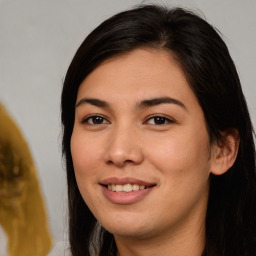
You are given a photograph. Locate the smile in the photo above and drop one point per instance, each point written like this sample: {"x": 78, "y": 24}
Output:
{"x": 126, "y": 187}
{"x": 126, "y": 190}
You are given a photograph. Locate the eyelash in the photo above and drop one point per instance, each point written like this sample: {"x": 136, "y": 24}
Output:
{"x": 160, "y": 118}
{"x": 95, "y": 117}
{"x": 156, "y": 118}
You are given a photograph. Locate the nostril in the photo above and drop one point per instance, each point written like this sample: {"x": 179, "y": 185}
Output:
{"x": 120, "y": 163}
{"x": 122, "y": 154}
{"x": 128, "y": 161}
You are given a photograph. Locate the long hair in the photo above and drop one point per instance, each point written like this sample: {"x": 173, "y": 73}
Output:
{"x": 205, "y": 60}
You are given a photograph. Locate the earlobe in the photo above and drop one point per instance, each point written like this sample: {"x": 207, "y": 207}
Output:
{"x": 225, "y": 152}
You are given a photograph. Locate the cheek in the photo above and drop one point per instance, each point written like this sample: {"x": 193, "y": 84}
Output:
{"x": 86, "y": 154}
{"x": 184, "y": 166}
{"x": 183, "y": 158}
{"x": 181, "y": 148}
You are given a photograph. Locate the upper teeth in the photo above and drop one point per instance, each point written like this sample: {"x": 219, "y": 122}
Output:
{"x": 125, "y": 188}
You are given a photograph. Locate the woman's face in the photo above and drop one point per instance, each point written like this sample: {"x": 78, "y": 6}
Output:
{"x": 140, "y": 147}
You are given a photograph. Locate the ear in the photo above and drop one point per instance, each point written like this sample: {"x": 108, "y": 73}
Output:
{"x": 224, "y": 152}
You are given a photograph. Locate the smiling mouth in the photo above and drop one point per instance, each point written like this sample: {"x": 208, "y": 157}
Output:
{"x": 127, "y": 187}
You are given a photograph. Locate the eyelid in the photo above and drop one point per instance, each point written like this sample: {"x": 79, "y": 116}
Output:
{"x": 86, "y": 118}
{"x": 106, "y": 121}
{"x": 167, "y": 118}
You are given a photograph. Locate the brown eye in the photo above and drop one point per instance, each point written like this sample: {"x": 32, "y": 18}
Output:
{"x": 94, "y": 120}
{"x": 159, "y": 120}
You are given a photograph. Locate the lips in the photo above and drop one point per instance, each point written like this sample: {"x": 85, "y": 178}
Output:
{"x": 125, "y": 190}
{"x": 123, "y": 181}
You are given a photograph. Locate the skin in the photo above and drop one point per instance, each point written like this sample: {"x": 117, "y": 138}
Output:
{"x": 127, "y": 141}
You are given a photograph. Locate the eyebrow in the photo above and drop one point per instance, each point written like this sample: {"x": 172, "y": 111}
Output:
{"x": 94, "y": 102}
{"x": 143, "y": 104}
{"x": 161, "y": 100}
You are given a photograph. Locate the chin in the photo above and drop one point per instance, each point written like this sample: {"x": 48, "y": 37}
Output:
{"x": 132, "y": 232}
{"x": 128, "y": 227}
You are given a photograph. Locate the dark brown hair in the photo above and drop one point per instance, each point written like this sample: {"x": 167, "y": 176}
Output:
{"x": 211, "y": 73}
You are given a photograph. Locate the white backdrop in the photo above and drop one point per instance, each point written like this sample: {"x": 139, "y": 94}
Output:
{"x": 37, "y": 42}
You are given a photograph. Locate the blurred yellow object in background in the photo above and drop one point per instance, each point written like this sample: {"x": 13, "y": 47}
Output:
{"x": 22, "y": 210}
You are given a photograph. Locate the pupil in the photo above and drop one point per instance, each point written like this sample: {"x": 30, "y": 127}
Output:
{"x": 97, "y": 120}
{"x": 159, "y": 120}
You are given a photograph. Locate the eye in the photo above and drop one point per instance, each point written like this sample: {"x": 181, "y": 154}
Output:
{"x": 159, "y": 120}
{"x": 94, "y": 120}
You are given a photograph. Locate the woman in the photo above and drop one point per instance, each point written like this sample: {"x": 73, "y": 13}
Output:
{"x": 158, "y": 140}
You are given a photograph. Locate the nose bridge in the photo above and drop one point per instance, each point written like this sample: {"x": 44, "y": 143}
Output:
{"x": 123, "y": 146}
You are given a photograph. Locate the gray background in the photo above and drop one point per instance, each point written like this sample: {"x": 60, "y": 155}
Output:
{"x": 37, "y": 42}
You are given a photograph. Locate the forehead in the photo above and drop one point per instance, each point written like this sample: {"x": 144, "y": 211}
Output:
{"x": 139, "y": 74}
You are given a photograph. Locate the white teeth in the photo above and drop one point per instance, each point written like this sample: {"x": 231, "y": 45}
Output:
{"x": 113, "y": 188}
{"x": 119, "y": 188}
{"x": 125, "y": 188}
{"x": 135, "y": 187}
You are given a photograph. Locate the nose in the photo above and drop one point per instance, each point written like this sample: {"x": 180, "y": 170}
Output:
{"x": 123, "y": 148}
